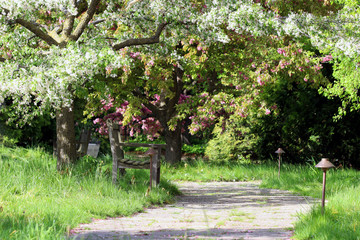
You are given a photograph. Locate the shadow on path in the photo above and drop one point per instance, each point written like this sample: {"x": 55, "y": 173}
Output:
{"x": 215, "y": 210}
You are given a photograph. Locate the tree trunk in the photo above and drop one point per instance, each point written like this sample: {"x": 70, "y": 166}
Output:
{"x": 65, "y": 134}
{"x": 173, "y": 145}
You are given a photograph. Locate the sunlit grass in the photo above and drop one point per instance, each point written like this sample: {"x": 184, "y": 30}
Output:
{"x": 340, "y": 221}
{"x": 36, "y": 202}
{"x": 199, "y": 170}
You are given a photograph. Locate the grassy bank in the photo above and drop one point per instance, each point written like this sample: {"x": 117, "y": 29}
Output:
{"x": 342, "y": 218}
{"x": 36, "y": 202}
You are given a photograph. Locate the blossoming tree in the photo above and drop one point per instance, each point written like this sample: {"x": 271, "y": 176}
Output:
{"x": 53, "y": 51}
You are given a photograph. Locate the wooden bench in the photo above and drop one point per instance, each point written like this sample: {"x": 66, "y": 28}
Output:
{"x": 119, "y": 161}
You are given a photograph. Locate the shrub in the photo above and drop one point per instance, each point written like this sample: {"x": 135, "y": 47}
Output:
{"x": 230, "y": 145}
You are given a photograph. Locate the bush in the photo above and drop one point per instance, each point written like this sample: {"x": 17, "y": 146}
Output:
{"x": 198, "y": 149}
{"x": 229, "y": 145}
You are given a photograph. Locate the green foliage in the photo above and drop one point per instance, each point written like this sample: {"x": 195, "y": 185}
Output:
{"x": 197, "y": 149}
{"x": 346, "y": 84}
{"x": 320, "y": 7}
{"x": 37, "y": 130}
{"x": 37, "y": 202}
{"x": 229, "y": 145}
{"x": 303, "y": 125}
{"x": 8, "y": 142}
{"x": 7, "y": 138}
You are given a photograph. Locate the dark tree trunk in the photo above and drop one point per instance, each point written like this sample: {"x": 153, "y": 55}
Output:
{"x": 164, "y": 111}
{"x": 65, "y": 134}
{"x": 173, "y": 145}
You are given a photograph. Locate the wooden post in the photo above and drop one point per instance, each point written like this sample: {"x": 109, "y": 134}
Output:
{"x": 153, "y": 169}
{"x": 116, "y": 151}
{"x": 157, "y": 168}
{"x": 121, "y": 154}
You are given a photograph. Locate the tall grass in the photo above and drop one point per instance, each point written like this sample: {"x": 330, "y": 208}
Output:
{"x": 36, "y": 202}
{"x": 340, "y": 221}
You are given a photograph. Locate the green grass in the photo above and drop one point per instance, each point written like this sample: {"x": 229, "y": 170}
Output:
{"x": 36, "y": 202}
{"x": 198, "y": 170}
{"x": 340, "y": 221}
{"x": 342, "y": 216}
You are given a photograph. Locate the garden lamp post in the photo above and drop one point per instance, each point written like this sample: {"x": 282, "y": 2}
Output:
{"x": 279, "y": 152}
{"x": 151, "y": 152}
{"x": 324, "y": 164}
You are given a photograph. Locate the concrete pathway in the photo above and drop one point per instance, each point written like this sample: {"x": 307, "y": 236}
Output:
{"x": 215, "y": 210}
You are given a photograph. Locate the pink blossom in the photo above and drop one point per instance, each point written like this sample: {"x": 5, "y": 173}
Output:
{"x": 267, "y": 111}
{"x": 134, "y": 55}
{"x": 318, "y": 67}
{"x": 108, "y": 106}
{"x": 260, "y": 82}
{"x": 191, "y": 41}
{"x": 281, "y": 51}
{"x": 97, "y": 120}
{"x": 108, "y": 69}
{"x": 305, "y": 79}
{"x": 327, "y": 58}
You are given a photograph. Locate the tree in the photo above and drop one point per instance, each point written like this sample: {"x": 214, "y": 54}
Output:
{"x": 55, "y": 50}
{"x": 59, "y": 48}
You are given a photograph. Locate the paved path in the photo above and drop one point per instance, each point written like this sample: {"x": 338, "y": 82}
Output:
{"x": 215, "y": 210}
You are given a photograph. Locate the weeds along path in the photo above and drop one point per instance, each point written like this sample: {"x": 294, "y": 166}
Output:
{"x": 215, "y": 210}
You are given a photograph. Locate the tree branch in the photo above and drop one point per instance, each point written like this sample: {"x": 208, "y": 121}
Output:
{"x": 178, "y": 87}
{"x": 147, "y": 104}
{"x": 90, "y": 12}
{"x": 5, "y": 10}
{"x": 142, "y": 41}
{"x": 68, "y": 27}
{"x": 97, "y": 22}
{"x": 37, "y": 31}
